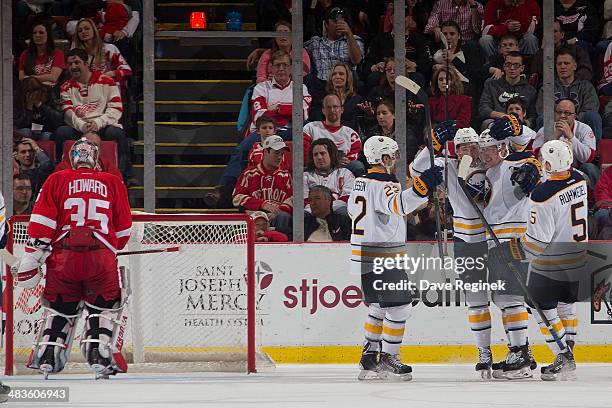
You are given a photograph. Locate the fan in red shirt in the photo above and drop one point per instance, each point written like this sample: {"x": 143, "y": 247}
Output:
{"x": 80, "y": 219}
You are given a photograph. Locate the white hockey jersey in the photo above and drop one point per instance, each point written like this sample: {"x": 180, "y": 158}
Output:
{"x": 466, "y": 224}
{"x": 3, "y": 229}
{"x": 377, "y": 207}
{"x": 558, "y": 211}
{"x": 340, "y": 181}
{"x": 507, "y": 211}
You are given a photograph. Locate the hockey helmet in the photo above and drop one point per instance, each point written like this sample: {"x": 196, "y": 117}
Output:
{"x": 557, "y": 154}
{"x": 377, "y": 146}
{"x": 486, "y": 140}
{"x": 465, "y": 135}
{"x": 83, "y": 153}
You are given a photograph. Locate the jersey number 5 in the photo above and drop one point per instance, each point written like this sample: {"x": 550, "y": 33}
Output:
{"x": 359, "y": 200}
{"x": 578, "y": 222}
{"x": 88, "y": 210}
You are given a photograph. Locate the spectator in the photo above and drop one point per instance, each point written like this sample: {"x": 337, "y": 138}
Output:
{"x": 339, "y": 44}
{"x": 264, "y": 66}
{"x": 115, "y": 18}
{"x": 37, "y": 116}
{"x": 340, "y": 83}
{"x": 41, "y": 60}
{"x": 495, "y": 66}
{"x": 315, "y": 15}
{"x": 91, "y": 102}
{"x": 416, "y": 17}
{"x": 385, "y": 120}
{"x": 518, "y": 17}
{"x": 466, "y": 13}
{"x": 22, "y": 195}
{"x": 584, "y": 70}
{"x": 101, "y": 57}
{"x": 497, "y": 92}
{"x": 269, "y": 13}
{"x": 582, "y": 92}
{"x": 605, "y": 84}
{"x": 322, "y": 224}
{"x": 346, "y": 139}
{"x": 102, "y": 165}
{"x": 32, "y": 161}
{"x": 459, "y": 105}
{"x": 274, "y": 97}
{"x": 603, "y": 200}
{"x": 267, "y": 187}
{"x": 263, "y": 233}
{"x": 382, "y": 47}
{"x": 323, "y": 168}
{"x": 222, "y": 195}
{"x": 581, "y": 22}
{"x": 466, "y": 59}
{"x": 518, "y": 106}
{"x": 578, "y": 135}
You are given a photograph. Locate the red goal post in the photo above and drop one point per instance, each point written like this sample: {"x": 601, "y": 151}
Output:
{"x": 215, "y": 273}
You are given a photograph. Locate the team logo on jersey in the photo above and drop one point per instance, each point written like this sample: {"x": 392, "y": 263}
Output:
{"x": 601, "y": 290}
{"x": 602, "y": 296}
{"x": 479, "y": 186}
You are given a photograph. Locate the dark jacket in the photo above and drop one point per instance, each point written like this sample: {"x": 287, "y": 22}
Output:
{"x": 583, "y": 61}
{"x": 583, "y": 92}
{"x": 580, "y": 20}
{"x": 339, "y": 226}
{"x": 497, "y": 92}
{"x": 417, "y": 51}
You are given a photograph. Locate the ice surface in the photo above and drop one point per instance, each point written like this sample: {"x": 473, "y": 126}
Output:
{"x": 299, "y": 386}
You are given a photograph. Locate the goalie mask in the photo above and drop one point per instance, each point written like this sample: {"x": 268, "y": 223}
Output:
{"x": 378, "y": 146}
{"x": 558, "y": 155}
{"x": 84, "y": 154}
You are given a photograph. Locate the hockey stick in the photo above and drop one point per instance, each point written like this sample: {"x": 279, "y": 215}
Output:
{"x": 464, "y": 166}
{"x": 417, "y": 91}
{"x": 149, "y": 251}
{"x": 446, "y": 92}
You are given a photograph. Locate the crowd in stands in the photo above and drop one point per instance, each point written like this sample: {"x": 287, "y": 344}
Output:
{"x": 478, "y": 59}
{"x": 71, "y": 80}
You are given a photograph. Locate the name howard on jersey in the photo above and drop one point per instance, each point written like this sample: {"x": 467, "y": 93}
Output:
{"x": 87, "y": 186}
{"x": 569, "y": 196}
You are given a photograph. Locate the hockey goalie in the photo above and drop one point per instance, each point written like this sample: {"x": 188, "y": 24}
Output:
{"x": 80, "y": 219}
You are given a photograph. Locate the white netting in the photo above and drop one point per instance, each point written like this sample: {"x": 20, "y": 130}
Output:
{"x": 188, "y": 309}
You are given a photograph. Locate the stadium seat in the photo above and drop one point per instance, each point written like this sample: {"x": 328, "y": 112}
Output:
{"x": 603, "y": 101}
{"x": 108, "y": 150}
{"x": 49, "y": 147}
{"x": 605, "y": 153}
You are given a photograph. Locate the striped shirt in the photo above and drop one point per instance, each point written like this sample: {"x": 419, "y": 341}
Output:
{"x": 447, "y": 10}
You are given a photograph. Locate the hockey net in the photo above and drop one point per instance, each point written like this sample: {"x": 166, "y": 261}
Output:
{"x": 191, "y": 310}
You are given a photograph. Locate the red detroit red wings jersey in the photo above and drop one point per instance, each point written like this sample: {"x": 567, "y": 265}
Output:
{"x": 83, "y": 197}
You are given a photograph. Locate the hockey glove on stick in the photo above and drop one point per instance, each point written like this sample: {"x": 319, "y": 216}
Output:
{"x": 443, "y": 132}
{"x": 424, "y": 184}
{"x": 29, "y": 272}
{"x": 508, "y": 251}
{"x": 527, "y": 177}
{"x": 505, "y": 127}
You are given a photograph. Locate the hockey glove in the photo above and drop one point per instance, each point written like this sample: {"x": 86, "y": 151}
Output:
{"x": 527, "y": 177}
{"x": 29, "y": 272}
{"x": 505, "y": 127}
{"x": 443, "y": 132}
{"x": 424, "y": 184}
{"x": 507, "y": 252}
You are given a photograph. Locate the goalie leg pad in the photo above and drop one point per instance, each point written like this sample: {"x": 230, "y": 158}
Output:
{"x": 51, "y": 349}
{"x": 102, "y": 339}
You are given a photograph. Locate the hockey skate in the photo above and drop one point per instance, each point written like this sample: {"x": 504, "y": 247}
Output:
{"x": 485, "y": 360}
{"x": 47, "y": 362}
{"x": 368, "y": 366}
{"x": 498, "y": 368}
{"x": 98, "y": 364}
{"x": 562, "y": 369}
{"x": 518, "y": 363}
{"x": 392, "y": 369}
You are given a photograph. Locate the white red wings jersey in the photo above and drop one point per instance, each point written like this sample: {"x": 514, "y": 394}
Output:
{"x": 82, "y": 197}
{"x": 256, "y": 185}
{"x": 3, "y": 229}
{"x": 583, "y": 143}
{"x": 377, "y": 207}
{"x": 558, "y": 211}
{"x": 113, "y": 61}
{"x": 345, "y": 138}
{"x": 99, "y": 100}
{"x": 269, "y": 93}
{"x": 467, "y": 225}
{"x": 340, "y": 181}
{"x": 508, "y": 208}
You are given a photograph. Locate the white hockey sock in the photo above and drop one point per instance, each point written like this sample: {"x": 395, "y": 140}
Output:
{"x": 567, "y": 314}
{"x": 553, "y": 318}
{"x": 479, "y": 318}
{"x": 393, "y": 328}
{"x": 515, "y": 321}
{"x": 373, "y": 327}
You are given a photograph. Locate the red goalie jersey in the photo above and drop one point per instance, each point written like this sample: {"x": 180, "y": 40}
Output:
{"x": 83, "y": 197}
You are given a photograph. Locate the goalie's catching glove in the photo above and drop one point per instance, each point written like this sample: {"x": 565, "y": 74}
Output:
{"x": 29, "y": 272}
{"x": 427, "y": 181}
{"x": 505, "y": 127}
{"x": 443, "y": 132}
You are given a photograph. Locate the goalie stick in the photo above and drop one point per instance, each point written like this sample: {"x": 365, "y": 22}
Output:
{"x": 464, "y": 166}
{"x": 421, "y": 95}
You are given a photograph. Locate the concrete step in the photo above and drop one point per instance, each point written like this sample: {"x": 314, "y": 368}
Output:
{"x": 194, "y": 132}
{"x": 201, "y": 90}
{"x": 197, "y": 106}
{"x": 200, "y": 64}
{"x": 184, "y": 175}
{"x": 171, "y": 192}
{"x": 188, "y": 149}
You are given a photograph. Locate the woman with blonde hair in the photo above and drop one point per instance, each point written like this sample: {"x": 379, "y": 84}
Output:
{"x": 103, "y": 57}
{"x": 459, "y": 105}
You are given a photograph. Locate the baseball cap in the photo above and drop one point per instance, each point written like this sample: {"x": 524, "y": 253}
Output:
{"x": 255, "y": 215}
{"x": 335, "y": 12}
{"x": 274, "y": 142}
